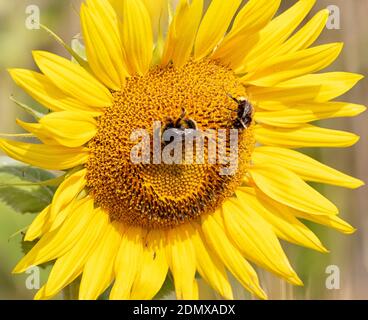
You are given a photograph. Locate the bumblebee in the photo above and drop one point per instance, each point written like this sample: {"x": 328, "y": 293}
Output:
{"x": 180, "y": 128}
{"x": 244, "y": 113}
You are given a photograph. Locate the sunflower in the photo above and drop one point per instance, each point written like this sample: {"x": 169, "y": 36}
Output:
{"x": 114, "y": 223}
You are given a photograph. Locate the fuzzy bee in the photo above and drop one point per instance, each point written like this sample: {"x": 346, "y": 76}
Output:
{"x": 244, "y": 113}
{"x": 180, "y": 129}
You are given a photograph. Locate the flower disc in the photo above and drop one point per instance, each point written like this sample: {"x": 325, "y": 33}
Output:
{"x": 163, "y": 195}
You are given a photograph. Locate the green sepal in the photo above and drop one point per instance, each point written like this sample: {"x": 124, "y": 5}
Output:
{"x": 31, "y": 111}
{"x": 74, "y": 54}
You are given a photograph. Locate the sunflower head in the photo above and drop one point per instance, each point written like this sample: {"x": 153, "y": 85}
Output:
{"x": 230, "y": 67}
{"x": 164, "y": 195}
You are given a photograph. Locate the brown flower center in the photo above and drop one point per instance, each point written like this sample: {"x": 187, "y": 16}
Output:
{"x": 165, "y": 195}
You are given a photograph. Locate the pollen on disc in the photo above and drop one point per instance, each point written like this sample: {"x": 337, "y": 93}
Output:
{"x": 162, "y": 195}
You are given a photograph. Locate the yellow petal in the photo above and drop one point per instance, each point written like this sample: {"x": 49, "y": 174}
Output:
{"x": 283, "y": 222}
{"x": 302, "y": 113}
{"x": 210, "y": 267}
{"x": 327, "y": 220}
{"x": 127, "y": 264}
{"x": 118, "y": 6}
{"x": 62, "y": 215}
{"x": 103, "y": 44}
{"x": 253, "y": 17}
{"x": 293, "y": 65}
{"x": 214, "y": 25}
{"x": 304, "y": 136}
{"x": 182, "y": 32}
{"x": 320, "y": 87}
{"x": 68, "y": 267}
{"x": 40, "y": 88}
{"x": 73, "y": 79}
{"x": 182, "y": 261}
{"x": 340, "y": 81}
{"x": 159, "y": 13}
{"x": 219, "y": 242}
{"x": 306, "y": 35}
{"x": 137, "y": 36}
{"x": 62, "y": 206}
{"x": 39, "y": 225}
{"x": 45, "y": 156}
{"x": 270, "y": 38}
{"x": 153, "y": 269}
{"x": 286, "y": 187}
{"x": 243, "y": 225}
{"x": 68, "y": 190}
{"x": 38, "y": 131}
{"x": 263, "y": 106}
{"x": 98, "y": 272}
{"x": 58, "y": 242}
{"x": 70, "y": 129}
{"x": 41, "y": 295}
{"x": 305, "y": 167}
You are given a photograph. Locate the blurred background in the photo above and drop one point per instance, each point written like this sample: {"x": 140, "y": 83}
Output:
{"x": 348, "y": 253}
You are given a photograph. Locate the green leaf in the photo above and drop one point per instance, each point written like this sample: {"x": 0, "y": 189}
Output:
{"x": 27, "y": 173}
{"x": 28, "y": 198}
{"x": 25, "y": 201}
